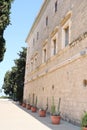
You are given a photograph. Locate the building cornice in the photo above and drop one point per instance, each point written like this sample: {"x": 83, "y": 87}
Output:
{"x": 37, "y": 19}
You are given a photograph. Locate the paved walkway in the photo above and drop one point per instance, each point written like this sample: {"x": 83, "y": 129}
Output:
{"x": 15, "y": 117}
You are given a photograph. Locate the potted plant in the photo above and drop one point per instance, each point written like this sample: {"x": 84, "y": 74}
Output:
{"x": 84, "y": 121}
{"x": 34, "y": 106}
{"x": 55, "y": 115}
{"x": 28, "y": 106}
{"x": 42, "y": 112}
{"x": 24, "y": 103}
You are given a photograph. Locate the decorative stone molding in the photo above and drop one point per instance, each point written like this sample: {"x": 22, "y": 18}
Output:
{"x": 45, "y": 42}
{"x": 36, "y": 53}
{"x": 42, "y": 74}
{"x": 79, "y": 39}
{"x": 68, "y": 16}
{"x": 54, "y": 31}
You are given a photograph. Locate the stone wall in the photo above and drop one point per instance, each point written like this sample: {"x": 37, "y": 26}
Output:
{"x": 61, "y": 75}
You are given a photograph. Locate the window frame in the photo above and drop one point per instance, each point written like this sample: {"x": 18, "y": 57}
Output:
{"x": 44, "y": 54}
{"x": 31, "y": 65}
{"x": 37, "y": 35}
{"x": 33, "y": 41}
{"x": 44, "y": 59}
{"x": 64, "y": 27}
{"x": 66, "y": 31}
{"x": 56, "y": 6}
{"x": 35, "y": 61}
{"x": 46, "y": 20}
{"x": 66, "y": 23}
{"x": 53, "y": 38}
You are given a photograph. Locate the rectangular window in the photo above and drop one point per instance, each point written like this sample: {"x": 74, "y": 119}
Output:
{"x": 54, "y": 43}
{"x": 46, "y": 20}
{"x": 44, "y": 51}
{"x": 37, "y": 35}
{"x": 55, "y": 6}
{"x": 66, "y": 36}
{"x": 66, "y": 30}
{"x": 54, "y": 47}
{"x": 35, "y": 60}
{"x": 32, "y": 66}
{"x": 44, "y": 55}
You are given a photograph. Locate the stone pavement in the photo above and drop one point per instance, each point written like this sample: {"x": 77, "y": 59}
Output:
{"x": 15, "y": 117}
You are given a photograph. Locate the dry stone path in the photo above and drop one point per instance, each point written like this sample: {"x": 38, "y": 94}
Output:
{"x": 14, "y": 117}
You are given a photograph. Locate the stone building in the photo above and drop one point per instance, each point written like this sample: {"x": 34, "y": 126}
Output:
{"x": 56, "y": 62}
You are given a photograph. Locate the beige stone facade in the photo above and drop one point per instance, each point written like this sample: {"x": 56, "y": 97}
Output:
{"x": 56, "y": 62}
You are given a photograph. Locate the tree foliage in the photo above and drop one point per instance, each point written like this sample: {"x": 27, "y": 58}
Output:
{"x": 2, "y": 48}
{"x": 5, "y": 6}
{"x": 14, "y": 80}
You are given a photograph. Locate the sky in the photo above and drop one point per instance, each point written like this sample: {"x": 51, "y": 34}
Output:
{"x": 23, "y": 14}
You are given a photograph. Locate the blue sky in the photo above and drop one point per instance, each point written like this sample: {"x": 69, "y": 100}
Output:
{"x": 23, "y": 14}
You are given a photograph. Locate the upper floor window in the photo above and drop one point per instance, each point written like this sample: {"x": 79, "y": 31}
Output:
{"x": 44, "y": 52}
{"x": 46, "y": 20}
{"x": 54, "y": 47}
{"x": 35, "y": 61}
{"x": 55, "y": 6}
{"x": 37, "y": 35}
{"x": 31, "y": 65}
{"x": 66, "y": 35}
{"x": 54, "y": 41}
{"x": 66, "y": 27}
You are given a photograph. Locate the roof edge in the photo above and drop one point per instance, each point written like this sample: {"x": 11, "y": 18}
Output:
{"x": 44, "y": 5}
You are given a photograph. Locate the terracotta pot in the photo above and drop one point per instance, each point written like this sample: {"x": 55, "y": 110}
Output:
{"x": 24, "y": 104}
{"x": 55, "y": 119}
{"x": 42, "y": 113}
{"x": 28, "y": 106}
{"x": 84, "y": 128}
{"x": 33, "y": 109}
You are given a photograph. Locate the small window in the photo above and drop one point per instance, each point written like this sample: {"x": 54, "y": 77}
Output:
{"x": 45, "y": 51}
{"x": 54, "y": 44}
{"x": 46, "y": 20}
{"x": 31, "y": 65}
{"x": 55, "y": 6}
{"x": 35, "y": 61}
{"x": 66, "y": 36}
{"x": 37, "y": 35}
{"x": 85, "y": 83}
{"x": 54, "y": 47}
{"x": 66, "y": 30}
